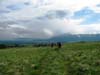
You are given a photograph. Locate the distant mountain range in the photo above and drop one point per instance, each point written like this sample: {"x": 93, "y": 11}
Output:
{"x": 77, "y": 38}
{"x": 60, "y": 38}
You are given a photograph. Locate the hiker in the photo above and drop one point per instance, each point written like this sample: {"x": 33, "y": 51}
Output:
{"x": 52, "y": 44}
{"x": 59, "y": 44}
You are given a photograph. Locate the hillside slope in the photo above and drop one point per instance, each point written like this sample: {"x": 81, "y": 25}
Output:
{"x": 71, "y": 59}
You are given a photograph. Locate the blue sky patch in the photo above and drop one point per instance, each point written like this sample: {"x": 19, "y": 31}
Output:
{"x": 83, "y": 13}
{"x": 92, "y": 19}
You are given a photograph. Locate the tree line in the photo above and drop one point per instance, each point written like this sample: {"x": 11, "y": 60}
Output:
{"x": 57, "y": 44}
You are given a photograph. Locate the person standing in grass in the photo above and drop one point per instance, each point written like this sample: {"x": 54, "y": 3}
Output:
{"x": 59, "y": 44}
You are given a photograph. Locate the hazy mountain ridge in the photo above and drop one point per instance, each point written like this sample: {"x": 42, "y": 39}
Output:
{"x": 60, "y": 38}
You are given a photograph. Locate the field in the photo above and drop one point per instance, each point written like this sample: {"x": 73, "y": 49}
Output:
{"x": 71, "y": 59}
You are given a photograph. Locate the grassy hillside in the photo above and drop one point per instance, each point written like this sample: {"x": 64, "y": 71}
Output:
{"x": 71, "y": 59}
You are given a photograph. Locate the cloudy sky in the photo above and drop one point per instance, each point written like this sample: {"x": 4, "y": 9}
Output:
{"x": 48, "y": 18}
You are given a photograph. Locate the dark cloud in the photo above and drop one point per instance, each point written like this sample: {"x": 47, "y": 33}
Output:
{"x": 4, "y": 23}
{"x": 27, "y": 3}
{"x": 4, "y": 11}
{"x": 17, "y": 6}
{"x": 98, "y": 5}
{"x": 52, "y": 14}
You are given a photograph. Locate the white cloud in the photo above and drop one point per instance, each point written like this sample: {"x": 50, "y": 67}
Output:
{"x": 48, "y": 32}
{"x": 38, "y": 7}
{"x": 95, "y": 9}
{"x": 91, "y": 29}
{"x": 24, "y": 22}
{"x": 71, "y": 5}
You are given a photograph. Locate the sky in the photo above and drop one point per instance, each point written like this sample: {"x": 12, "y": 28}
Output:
{"x": 48, "y": 18}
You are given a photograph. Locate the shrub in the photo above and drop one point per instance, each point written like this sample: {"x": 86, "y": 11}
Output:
{"x": 3, "y": 46}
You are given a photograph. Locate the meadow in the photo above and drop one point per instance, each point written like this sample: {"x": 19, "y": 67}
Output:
{"x": 72, "y": 59}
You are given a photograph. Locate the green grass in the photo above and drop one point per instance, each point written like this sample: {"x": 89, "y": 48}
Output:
{"x": 71, "y": 59}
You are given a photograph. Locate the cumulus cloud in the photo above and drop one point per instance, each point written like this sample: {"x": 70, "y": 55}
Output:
{"x": 48, "y": 18}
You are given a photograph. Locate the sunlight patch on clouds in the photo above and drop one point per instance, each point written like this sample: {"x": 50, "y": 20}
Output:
{"x": 17, "y": 26}
{"x": 48, "y": 32}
